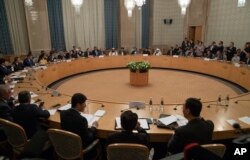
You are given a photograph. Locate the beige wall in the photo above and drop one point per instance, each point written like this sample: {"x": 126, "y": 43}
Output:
{"x": 38, "y": 26}
{"x": 227, "y": 22}
{"x": 167, "y": 34}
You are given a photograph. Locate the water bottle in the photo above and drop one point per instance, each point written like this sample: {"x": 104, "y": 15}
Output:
{"x": 162, "y": 105}
{"x": 150, "y": 104}
{"x": 219, "y": 101}
{"x": 227, "y": 100}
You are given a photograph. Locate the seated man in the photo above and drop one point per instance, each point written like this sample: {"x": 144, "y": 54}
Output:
{"x": 71, "y": 120}
{"x": 27, "y": 115}
{"x": 129, "y": 122}
{"x": 196, "y": 130}
{"x": 5, "y": 108}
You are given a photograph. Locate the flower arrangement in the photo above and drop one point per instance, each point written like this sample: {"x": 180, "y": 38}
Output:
{"x": 141, "y": 66}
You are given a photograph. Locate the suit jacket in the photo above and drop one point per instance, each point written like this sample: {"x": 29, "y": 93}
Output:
{"x": 28, "y": 62}
{"x": 71, "y": 120}
{"x": 95, "y": 53}
{"x": 18, "y": 66}
{"x": 248, "y": 61}
{"x": 129, "y": 137}
{"x": 28, "y": 115}
{"x": 197, "y": 130}
{"x": 5, "y": 113}
{"x": 4, "y": 71}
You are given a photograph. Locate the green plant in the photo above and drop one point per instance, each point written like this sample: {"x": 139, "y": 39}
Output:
{"x": 141, "y": 66}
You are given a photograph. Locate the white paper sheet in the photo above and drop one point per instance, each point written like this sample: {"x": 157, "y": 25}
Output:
{"x": 100, "y": 113}
{"x": 143, "y": 123}
{"x": 52, "y": 111}
{"x": 181, "y": 121}
{"x": 245, "y": 119}
{"x": 168, "y": 120}
{"x": 65, "y": 107}
{"x": 90, "y": 118}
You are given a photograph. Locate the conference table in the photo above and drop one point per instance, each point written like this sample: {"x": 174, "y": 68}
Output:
{"x": 40, "y": 80}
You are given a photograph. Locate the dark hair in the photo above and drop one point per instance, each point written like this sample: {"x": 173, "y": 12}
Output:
{"x": 194, "y": 105}
{"x": 77, "y": 98}
{"x": 128, "y": 120}
{"x": 24, "y": 97}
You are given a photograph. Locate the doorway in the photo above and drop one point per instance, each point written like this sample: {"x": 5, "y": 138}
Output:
{"x": 195, "y": 33}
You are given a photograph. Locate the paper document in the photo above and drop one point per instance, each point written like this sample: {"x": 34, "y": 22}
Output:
{"x": 168, "y": 120}
{"x": 100, "y": 113}
{"x": 245, "y": 119}
{"x": 33, "y": 95}
{"x": 231, "y": 121}
{"x": 181, "y": 121}
{"x": 90, "y": 118}
{"x": 143, "y": 123}
{"x": 52, "y": 111}
{"x": 65, "y": 107}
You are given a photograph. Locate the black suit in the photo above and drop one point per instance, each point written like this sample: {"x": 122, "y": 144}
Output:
{"x": 5, "y": 113}
{"x": 230, "y": 53}
{"x": 28, "y": 115}
{"x": 28, "y": 62}
{"x": 4, "y": 71}
{"x": 18, "y": 66}
{"x": 71, "y": 120}
{"x": 197, "y": 130}
{"x": 129, "y": 137}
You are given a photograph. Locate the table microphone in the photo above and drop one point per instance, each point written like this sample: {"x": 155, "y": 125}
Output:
{"x": 29, "y": 87}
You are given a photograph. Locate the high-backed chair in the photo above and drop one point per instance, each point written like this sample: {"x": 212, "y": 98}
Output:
{"x": 127, "y": 151}
{"x": 218, "y": 149}
{"x": 68, "y": 145}
{"x": 15, "y": 134}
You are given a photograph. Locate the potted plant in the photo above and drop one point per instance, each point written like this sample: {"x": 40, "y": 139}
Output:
{"x": 141, "y": 66}
{"x": 139, "y": 72}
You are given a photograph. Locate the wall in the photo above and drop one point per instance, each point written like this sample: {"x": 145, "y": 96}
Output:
{"x": 164, "y": 34}
{"x": 227, "y": 22}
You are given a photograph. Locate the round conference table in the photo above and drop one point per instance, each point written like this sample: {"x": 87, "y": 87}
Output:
{"x": 39, "y": 80}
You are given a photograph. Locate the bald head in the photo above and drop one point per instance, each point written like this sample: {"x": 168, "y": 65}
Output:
{"x": 5, "y": 91}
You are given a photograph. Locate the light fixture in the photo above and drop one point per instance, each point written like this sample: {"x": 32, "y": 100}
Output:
{"x": 29, "y": 3}
{"x": 184, "y": 4}
{"x": 130, "y": 5}
{"x": 241, "y": 3}
{"x": 140, "y": 3}
{"x": 77, "y": 4}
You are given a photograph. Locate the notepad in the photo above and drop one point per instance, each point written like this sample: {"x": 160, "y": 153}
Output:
{"x": 65, "y": 107}
{"x": 90, "y": 118}
{"x": 181, "y": 121}
{"x": 143, "y": 123}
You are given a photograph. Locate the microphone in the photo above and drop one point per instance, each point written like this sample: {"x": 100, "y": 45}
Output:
{"x": 242, "y": 101}
{"x": 29, "y": 87}
{"x": 244, "y": 138}
{"x": 175, "y": 108}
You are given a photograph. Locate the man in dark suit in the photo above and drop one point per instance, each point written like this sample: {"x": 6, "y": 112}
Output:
{"x": 28, "y": 61}
{"x": 197, "y": 129}
{"x": 129, "y": 122}
{"x": 4, "y": 71}
{"x": 5, "y": 108}
{"x": 28, "y": 115}
{"x": 95, "y": 52}
{"x": 71, "y": 120}
{"x": 231, "y": 50}
{"x": 248, "y": 59}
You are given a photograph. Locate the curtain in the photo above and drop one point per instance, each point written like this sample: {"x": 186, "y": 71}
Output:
{"x": 85, "y": 29}
{"x": 56, "y": 24}
{"x": 17, "y": 26}
{"x": 5, "y": 40}
{"x": 145, "y": 24}
{"x": 111, "y": 22}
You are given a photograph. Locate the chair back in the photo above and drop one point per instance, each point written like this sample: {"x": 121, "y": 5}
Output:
{"x": 127, "y": 151}
{"x": 67, "y": 145}
{"x": 218, "y": 149}
{"x": 15, "y": 134}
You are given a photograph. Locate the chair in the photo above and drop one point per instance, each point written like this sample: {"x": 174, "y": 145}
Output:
{"x": 127, "y": 151}
{"x": 218, "y": 149}
{"x": 15, "y": 134}
{"x": 68, "y": 145}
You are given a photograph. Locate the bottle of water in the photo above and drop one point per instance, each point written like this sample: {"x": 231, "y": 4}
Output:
{"x": 219, "y": 101}
{"x": 227, "y": 100}
{"x": 150, "y": 104}
{"x": 162, "y": 105}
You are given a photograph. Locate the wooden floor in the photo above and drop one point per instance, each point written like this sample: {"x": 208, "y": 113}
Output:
{"x": 173, "y": 86}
